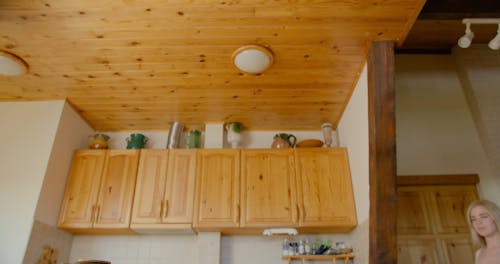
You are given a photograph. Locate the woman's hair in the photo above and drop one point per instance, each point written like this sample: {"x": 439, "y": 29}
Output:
{"x": 494, "y": 213}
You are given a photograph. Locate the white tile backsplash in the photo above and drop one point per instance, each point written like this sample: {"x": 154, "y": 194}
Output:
{"x": 179, "y": 249}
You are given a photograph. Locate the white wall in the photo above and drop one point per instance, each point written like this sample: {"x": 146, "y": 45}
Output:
{"x": 250, "y": 139}
{"x": 28, "y": 132}
{"x": 479, "y": 72}
{"x": 434, "y": 127}
{"x": 353, "y": 134}
{"x": 71, "y": 134}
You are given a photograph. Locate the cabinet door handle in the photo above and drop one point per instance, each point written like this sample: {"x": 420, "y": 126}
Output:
{"x": 92, "y": 214}
{"x": 303, "y": 212}
{"x": 166, "y": 208}
{"x": 161, "y": 210}
{"x": 238, "y": 213}
{"x": 298, "y": 213}
{"x": 98, "y": 210}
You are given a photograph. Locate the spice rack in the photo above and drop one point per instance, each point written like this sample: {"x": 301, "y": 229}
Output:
{"x": 333, "y": 258}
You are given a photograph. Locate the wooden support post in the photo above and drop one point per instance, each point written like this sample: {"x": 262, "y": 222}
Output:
{"x": 383, "y": 246}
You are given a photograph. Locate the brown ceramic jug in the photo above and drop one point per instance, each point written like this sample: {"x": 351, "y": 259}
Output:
{"x": 283, "y": 140}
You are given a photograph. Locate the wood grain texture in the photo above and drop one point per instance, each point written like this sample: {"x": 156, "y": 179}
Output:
{"x": 82, "y": 189}
{"x": 268, "y": 188}
{"x": 116, "y": 192}
{"x": 217, "y": 199}
{"x": 150, "y": 187}
{"x": 438, "y": 179}
{"x": 128, "y": 65}
{"x": 324, "y": 188}
{"x": 99, "y": 192}
{"x": 179, "y": 194}
{"x": 434, "y": 216}
{"x": 382, "y": 142}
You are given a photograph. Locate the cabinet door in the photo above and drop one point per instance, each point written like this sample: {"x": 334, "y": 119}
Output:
{"x": 324, "y": 188}
{"x": 268, "y": 193}
{"x": 117, "y": 189}
{"x": 150, "y": 189}
{"x": 78, "y": 205}
{"x": 413, "y": 213}
{"x": 449, "y": 204}
{"x": 179, "y": 196}
{"x": 217, "y": 189}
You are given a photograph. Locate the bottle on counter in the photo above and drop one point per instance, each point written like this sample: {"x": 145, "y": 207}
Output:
{"x": 302, "y": 249}
{"x": 307, "y": 247}
{"x": 286, "y": 248}
{"x": 295, "y": 247}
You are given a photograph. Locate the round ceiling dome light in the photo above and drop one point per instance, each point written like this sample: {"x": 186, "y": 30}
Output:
{"x": 252, "y": 59}
{"x": 11, "y": 64}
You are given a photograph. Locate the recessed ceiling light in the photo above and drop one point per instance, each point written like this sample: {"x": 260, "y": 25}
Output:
{"x": 11, "y": 64}
{"x": 252, "y": 59}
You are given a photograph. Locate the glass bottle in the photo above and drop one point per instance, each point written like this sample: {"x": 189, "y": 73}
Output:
{"x": 307, "y": 247}
{"x": 302, "y": 249}
{"x": 286, "y": 245}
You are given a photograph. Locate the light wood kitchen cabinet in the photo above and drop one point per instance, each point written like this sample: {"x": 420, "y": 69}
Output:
{"x": 268, "y": 188}
{"x": 165, "y": 190}
{"x": 324, "y": 189}
{"x": 99, "y": 191}
{"x": 217, "y": 189}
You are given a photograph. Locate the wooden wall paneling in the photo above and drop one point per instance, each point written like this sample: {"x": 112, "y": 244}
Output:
{"x": 382, "y": 142}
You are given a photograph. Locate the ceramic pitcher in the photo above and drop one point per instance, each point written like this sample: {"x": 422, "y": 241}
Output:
{"x": 98, "y": 141}
{"x": 136, "y": 141}
{"x": 284, "y": 140}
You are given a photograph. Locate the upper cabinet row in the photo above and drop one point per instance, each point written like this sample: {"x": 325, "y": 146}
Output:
{"x": 227, "y": 190}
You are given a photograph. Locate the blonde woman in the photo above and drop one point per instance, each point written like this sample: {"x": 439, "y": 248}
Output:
{"x": 484, "y": 222}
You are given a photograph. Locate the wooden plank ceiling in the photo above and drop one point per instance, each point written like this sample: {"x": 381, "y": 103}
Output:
{"x": 439, "y": 25}
{"x": 140, "y": 65}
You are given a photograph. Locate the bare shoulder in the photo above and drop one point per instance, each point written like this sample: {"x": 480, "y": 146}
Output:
{"x": 488, "y": 256}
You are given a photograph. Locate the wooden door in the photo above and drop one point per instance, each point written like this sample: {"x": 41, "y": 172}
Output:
{"x": 150, "y": 189}
{"x": 268, "y": 194}
{"x": 217, "y": 189}
{"x": 324, "y": 188}
{"x": 458, "y": 249}
{"x": 413, "y": 213}
{"x": 450, "y": 204}
{"x": 82, "y": 188}
{"x": 437, "y": 213}
{"x": 179, "y": 195}
{"x": 418, "y": 251}
{"x": 116, "y": 191}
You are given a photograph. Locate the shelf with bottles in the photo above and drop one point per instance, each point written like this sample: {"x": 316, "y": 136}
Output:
{"x": 333, "y": 258}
